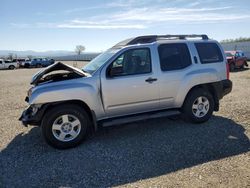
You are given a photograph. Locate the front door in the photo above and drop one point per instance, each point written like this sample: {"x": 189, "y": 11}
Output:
{"x": 130, "y": 84}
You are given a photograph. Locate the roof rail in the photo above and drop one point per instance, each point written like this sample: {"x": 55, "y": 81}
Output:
{"x": 153, "y": 38}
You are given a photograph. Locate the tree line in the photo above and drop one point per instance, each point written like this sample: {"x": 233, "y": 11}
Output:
{"x": 241, "y": 39}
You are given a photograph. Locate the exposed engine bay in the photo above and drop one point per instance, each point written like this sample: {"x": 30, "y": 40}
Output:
{"x": 57, "y": 72}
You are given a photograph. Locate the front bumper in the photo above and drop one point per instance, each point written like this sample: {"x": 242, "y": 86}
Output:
{"x": 28, "y": 116}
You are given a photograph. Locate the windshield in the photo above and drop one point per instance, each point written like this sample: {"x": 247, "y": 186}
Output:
{"x": 97, "y": 62}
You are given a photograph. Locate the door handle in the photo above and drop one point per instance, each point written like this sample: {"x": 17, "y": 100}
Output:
{"x": 150, "y": 80}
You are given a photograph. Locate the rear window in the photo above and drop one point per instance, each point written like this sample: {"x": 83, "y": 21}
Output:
{"x": 209, "y": 52}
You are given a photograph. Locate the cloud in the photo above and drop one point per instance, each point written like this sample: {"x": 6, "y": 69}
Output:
{"x": 131, "y": 16}
{"x": 164, "y": 15}
{"x": 78, "y": 24}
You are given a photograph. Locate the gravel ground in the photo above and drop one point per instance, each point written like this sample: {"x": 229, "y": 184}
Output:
{"x": 154, "y": 153}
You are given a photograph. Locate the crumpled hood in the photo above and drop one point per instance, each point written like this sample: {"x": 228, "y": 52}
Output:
{"x": 55, "y": 67}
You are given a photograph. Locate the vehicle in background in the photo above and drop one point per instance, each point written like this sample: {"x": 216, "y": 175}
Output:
{"x": 7, "y": 64}
{"x": 20, "y": 61}
{"x": 39, "y": 62}
{"x": 236, "y": 59}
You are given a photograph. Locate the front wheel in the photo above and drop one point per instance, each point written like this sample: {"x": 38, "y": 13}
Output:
{"x": 65, "y": 126}
{"x": 198, "y": 106}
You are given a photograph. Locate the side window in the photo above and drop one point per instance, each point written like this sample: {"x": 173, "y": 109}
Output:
{"x": 209, "y": 52}
{"x": 174, "y": 56}
{"x": 1, "y": 62}
{"x": 131, "y": 62}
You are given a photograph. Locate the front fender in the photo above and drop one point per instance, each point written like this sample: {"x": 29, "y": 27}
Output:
{"x": 66, "y": 92}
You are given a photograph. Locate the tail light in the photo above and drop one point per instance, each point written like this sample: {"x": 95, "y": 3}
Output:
{"x": 227, "y": 67}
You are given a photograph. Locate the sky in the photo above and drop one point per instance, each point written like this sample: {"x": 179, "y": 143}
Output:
{"x": 43, "y": 25}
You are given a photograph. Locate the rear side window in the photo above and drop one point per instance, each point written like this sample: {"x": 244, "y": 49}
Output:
{"x": 174, "y": 56}
{"x": 209, "y": 52}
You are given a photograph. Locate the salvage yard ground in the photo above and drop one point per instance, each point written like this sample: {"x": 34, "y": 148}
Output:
{"x": 156, "y": 153}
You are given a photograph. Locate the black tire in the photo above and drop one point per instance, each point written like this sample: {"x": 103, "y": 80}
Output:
{"x": 26, "y": 65}
{"x": 11, "y": 67}
{"x": 187, "y": 109}
{"x": 38, "y": 65}
{"x": 52, "y": 114}
{"x": 246, "y": 64}
{"x": 232, "y": 67}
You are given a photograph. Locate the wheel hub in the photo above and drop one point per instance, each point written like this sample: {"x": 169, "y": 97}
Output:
{"x": 200, "y": 106}
{"x": 66, "y": 127}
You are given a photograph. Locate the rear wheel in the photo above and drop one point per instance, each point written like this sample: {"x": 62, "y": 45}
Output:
{"x": 232, "y": 67}
{"x": 65, "y": 126}
{"x": 11, "y": 67}
{"x": 246, "y": 64}
{"x": 198, "y": 106}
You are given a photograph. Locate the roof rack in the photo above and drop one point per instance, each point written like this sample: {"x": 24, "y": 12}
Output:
{"x": 153, "y": 38}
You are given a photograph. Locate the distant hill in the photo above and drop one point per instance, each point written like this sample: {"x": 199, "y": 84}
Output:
{"x": 34, "y": 53}
{"x": 57, "y": 55}
{"x": 83, "y": 57}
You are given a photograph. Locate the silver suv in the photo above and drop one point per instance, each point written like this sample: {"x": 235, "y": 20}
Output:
{"x": 139, "y": 78}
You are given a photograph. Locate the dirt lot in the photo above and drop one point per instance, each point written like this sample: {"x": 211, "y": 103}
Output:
{"x": 155, "y": 153}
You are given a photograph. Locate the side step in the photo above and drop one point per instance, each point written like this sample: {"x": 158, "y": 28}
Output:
{"x": 138, "y": 117}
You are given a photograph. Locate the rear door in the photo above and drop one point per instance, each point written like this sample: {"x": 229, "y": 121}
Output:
{"x": 175, "y": 63}
{"x": 129, "y": 83}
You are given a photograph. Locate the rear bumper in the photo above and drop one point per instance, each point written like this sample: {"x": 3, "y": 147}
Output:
{"x": 220, "y": 89}
{"x": 226, "y": 87}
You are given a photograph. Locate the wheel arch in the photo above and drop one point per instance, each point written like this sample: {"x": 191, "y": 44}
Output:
{"x": 79, "y": 103}
{"x": 211, "y": 88}
{"x": 11, "y": 67}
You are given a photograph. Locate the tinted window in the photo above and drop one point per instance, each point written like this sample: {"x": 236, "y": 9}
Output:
{"x": 174, "y": 56}
{"x": 136, "y": 61}
{"x": 209, "y": 52}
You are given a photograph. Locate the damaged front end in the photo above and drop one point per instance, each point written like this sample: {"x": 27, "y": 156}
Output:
{"x": 54, "y": 73}
{"x": 32, "y": 115}
{"x": 57, "y": 72}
